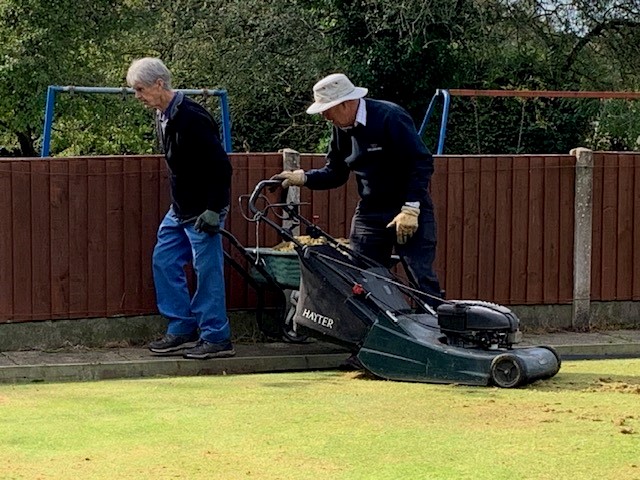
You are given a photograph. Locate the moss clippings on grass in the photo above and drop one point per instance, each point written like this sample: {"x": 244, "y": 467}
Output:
{"x": 325, "y": 425}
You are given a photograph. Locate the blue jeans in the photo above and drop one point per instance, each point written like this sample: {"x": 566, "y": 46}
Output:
{"x": 371, "y": 237}
{"x": 178, "y": 244}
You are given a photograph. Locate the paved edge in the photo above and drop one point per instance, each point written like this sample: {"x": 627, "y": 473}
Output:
{"x": 599, "y": 350}
{"x": 167, "y": 367}
{"x": 175, "y": 366}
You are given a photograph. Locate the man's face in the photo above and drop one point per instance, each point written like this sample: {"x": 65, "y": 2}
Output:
{"x": 342, "y": 115}
{"x": 150, "y": 95}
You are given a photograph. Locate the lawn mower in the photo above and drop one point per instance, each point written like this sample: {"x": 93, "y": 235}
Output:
{"x": 348, "y": 299}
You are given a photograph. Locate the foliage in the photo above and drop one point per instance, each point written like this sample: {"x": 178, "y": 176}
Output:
{"x": 108, "y": 124}
{"x": 40, "y": 45}
{"x": 617, "y": 126}
{"x": 268, "y": 55}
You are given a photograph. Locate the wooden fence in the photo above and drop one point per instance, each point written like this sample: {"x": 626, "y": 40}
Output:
{"x": 76, "y": 234}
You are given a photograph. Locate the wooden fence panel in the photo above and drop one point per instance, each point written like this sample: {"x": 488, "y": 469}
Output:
{"x": 500, "y": 222}
{"x": 470, "y": 223}
{"x": 114, "y": 259}
{"x": 98, "y": 238}
{"x": 78, "y": 237}
{"x": 624, "y": 264}
{"x": 566, "y": 229}
{"x": 519, "y": 231}
{"x": 153, "y": 197}
{"x": 534, "y": 233}
{"x": 550, "y": 229}
{"x": 487, "y": 228}
{"x": 636, "y": 230}
{"x": 132, "y": 241}
{"x": 22, "y": 243}
{"x": 58, "y": 203}
{"x": 503, "y": 227}
{"x": 449, "y": 269}
{"x": 239, "y": 289}
{"x": 596, "y": 239}
{"x": 80, "y": 233}
{"x": 609, "y": 227}
{"x": 616, "y": 227}
{"x": 439, "y": 190}
{"x": 42, "y": 250}
{"x": 6, "y": 242}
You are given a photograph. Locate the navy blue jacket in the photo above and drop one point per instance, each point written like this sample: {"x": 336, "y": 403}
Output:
{"x": 199, "y": 168}
{"x": 391, "y": 163}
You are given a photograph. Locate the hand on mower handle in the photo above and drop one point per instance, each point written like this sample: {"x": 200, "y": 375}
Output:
{"x": 295, "y": 178}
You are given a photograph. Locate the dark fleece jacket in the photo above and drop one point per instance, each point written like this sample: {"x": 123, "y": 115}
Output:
{"x": 391, "y": 163}
{"x": 199, "y": 168}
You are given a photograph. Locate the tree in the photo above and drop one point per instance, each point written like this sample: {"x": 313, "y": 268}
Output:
{"x": 268, "y": 55}
{"x": 71, "y": 44}
{"x": 405, "y": 49}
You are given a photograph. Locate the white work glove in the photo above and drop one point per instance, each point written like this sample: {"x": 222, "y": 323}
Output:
{"x": 406, "y": 223}
{"x": 294, "y": 178}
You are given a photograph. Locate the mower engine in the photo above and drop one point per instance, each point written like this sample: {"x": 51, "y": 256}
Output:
{"x": 474, "y": 323}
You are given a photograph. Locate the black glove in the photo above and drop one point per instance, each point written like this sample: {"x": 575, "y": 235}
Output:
{"x": 209, "y": 222}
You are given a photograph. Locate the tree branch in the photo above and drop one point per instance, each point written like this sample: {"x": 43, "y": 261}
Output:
{"x": 596, "y": 32}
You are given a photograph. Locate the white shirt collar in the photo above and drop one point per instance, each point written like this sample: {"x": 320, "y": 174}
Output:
{"x": 361, "y": 114}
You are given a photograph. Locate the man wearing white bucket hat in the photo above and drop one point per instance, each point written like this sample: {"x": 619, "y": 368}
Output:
{"x": 378, "y": 142}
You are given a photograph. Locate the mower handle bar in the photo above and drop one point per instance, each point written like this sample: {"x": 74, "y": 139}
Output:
{"x": 285, "y": 233}
{"x": 261, "y": 185}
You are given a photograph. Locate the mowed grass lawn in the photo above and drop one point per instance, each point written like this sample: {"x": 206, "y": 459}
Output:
{"x": 582, "y": 424}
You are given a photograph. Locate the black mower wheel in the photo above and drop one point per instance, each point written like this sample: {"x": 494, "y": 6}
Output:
{"x": 507, "y": 371}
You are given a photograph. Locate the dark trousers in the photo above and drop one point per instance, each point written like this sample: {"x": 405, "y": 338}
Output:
{"x": 371, "y": 237}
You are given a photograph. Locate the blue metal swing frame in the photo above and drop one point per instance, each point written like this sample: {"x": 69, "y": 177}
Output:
{"x": 51, "y": 100}
{"x": 446, "y": 99}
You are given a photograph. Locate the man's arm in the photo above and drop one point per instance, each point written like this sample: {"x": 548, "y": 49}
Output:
{"x": 335, "y": 172}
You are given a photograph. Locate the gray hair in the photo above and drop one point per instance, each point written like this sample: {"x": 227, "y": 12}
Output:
{"x": 147, "y": 70}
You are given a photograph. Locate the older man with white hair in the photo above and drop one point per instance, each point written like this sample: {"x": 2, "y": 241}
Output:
{"x": 200, "y": 178}
{"x": 378, "y": 142}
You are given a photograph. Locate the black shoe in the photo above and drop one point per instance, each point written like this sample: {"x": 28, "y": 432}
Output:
{"x": 173, "y": 343}
{"x": 204, "y": 350}
{"x": 351, "y": 363}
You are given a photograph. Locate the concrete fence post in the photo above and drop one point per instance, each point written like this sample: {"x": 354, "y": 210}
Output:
{"x": 291, "y": 161}
{"x": 582, "y": 239}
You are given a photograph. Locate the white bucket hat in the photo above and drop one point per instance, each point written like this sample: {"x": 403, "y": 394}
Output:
{"x": 333, "y": 90}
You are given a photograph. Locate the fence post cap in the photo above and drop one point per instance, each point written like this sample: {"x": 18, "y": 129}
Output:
{"x": 288, "y": 150}
{"x": 579, "y": 150}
